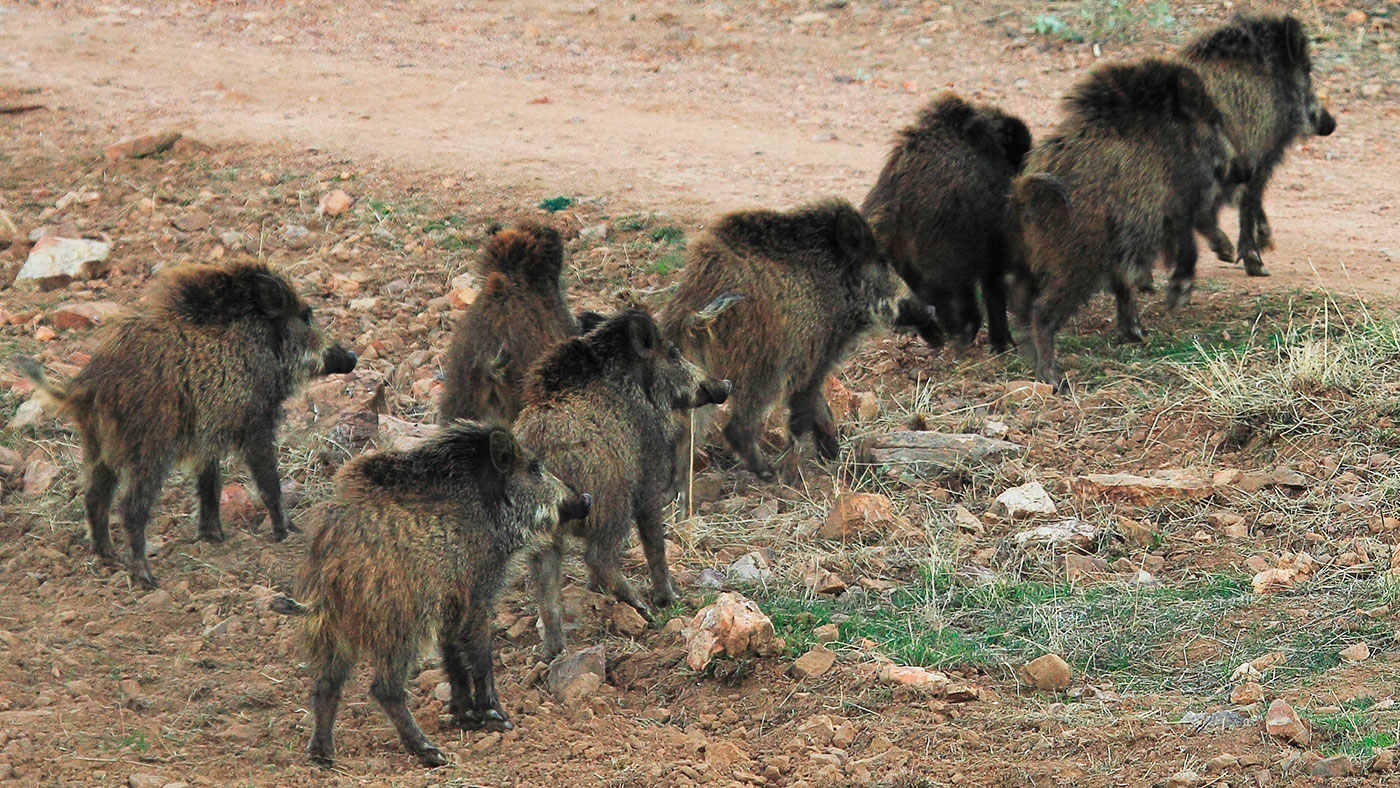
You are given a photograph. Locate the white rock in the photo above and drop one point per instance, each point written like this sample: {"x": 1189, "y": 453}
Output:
{"x": 1028, "y": 500}
{"x": 54, "y": 262}
{"x": 28, "y": 414}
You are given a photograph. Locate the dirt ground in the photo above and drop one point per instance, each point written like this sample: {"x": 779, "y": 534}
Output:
{"x": 652, "y": 118}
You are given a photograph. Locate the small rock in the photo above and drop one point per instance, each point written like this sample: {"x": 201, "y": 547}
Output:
{"x": 733, "y": 625}
{"x": 334, "y": 203}
{"x": 858, "y": 516}
{"x": 237, "y": 505}
{"x": 1221, "y": 763}
{"x": 627, "y": 621}
{"x": 192, "y": 222}
{"x": 84, "y": 314}
{"x": 1020, "y": 390}
{"x": 1213, "y": 721}
{"x": 927, "y": 454}
{"x": 914, "y": 676}
{"x": 38, "y": 475}
{"x": 1247, "y": 693}
{"x": 820, "y": 580}
{"x": 1282, "y": 722}
{"x": 145, "y": 145}
{"x": 867, "y": 406}
{"x": 966, "y": 520}
{"x": 595, "y": 234}
{"x": 827, "y": 633}
{"x": 578, "y": 675}
{"x": 1356, "y": 18}
{"x": 1335, "y": 766}
{"x": 146, "y": 781}
{"x": 1048, "y": 672}
{"x": 1084, "y": 567}
{"x": 724, "y": 754}
{"x": 1174, "y": 485}
{"x": 1384, "y": 761}
{"x": 751, "y": 567}
{"x": 1356, "y": 652}
{"x": 54, "y": 262}
{"x": 1281, "y": 476}
{"x": 30, "y": 413}
{"x": 1184, "y": 779}
{"x": 1065, "y": 533}
{"x": 995, "y": 430}
{"x": 814, "y": 663}
{"x": 709, "y": 578}
{"x": 1028, "y": 500}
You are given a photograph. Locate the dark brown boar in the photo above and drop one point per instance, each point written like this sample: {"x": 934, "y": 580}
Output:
{"x": 772, "y": 301}
{"x": 1258, "y": 69}
{"x": 417, "y": 541}
{"x": 1115, "y": 186}
{"x": 201, "y": 370}
{"x": 938, "y": 210}
{"x": 601, "y": 409}
{"x": 518, "y": 315}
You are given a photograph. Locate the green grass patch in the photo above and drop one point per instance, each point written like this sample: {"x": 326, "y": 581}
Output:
{"x": 556, "y": 204}
{"x": 1354, "y": 731}
{"x": 670, "y": 234}
{"x": 666, "y": 263}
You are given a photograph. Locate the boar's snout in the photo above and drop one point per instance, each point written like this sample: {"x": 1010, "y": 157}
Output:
{"x": 338, "y": 361}
{"x": 576, "y": 507}
{"x": 1324, "y": 123}
{"x": 714, "y": 392}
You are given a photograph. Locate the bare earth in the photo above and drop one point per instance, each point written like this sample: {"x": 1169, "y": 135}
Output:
{"x": 438, "y": 117}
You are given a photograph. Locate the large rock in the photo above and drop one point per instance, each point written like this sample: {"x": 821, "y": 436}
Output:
{"x": 578, "y": 675}
{"x": 858, "y": 516}
{"x": 54, "y": 262}
{"x": 1048, "y": 672}
{"x": 733, "y": 625}
{"x": 1066, "y": 533}
{"x": 1028, "y": 500}
{"x": 926, "y": 454}
{"x": 1176, "y": 485}
{"x": 1282, "y": 722}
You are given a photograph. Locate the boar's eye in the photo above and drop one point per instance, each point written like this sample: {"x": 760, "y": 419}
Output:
{"x": 306, "y": 314}
{"x": 536, "y": 470}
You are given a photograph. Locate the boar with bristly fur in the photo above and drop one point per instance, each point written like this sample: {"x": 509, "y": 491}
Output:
{"x": 602, "y": 410}
{"x": 1113, "y": 188}
{"x": 938, "y": 210}
{"x": 518, "y": 315}
{"x": 416, "y": 542}
{"x": 200, "y": 370}
{"x": 1258, "y": 69}
{"x": 772, "y": 301}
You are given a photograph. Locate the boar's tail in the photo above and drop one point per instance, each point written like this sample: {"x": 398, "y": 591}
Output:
{"x": 287, "y": 606}
{"x": 53, "y": 395}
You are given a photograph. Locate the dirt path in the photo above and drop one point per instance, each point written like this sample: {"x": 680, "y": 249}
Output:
{"x": 697, "y": 133}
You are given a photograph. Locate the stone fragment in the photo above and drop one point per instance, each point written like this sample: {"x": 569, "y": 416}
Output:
{"x": 1247, "y": 693}
{"x": 627, "y": 621}
{"x": 858, "y": 516}
{"x": 1126, "y": 488}
{"x": 1028, "y": 500}
{"x": 1021, "y": 390}
{"x": 54, "y": 262}
{"x": 913, "y": 676}
{"x": 928, "y": 454}
{"x": 1356, "y": 652}
{"x": 733, "y": 625}
{"x": 334, "y": 203}
{"x": 144, "y": 145}
{"x": 1065, "y": 533}
{"x": 814, "y": 663}
{"x": 1282, "y": 722}
{"x": 84, "y": 314}
{"x": 1049, "y": 672}
{"x": 1335, "y": 766}
{"x": 751, "y": 567}
{"x": 577, "y": 676}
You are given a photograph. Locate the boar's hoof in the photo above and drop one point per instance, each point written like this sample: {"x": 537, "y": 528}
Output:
{"x": 1254, "y": 265}
{"x": 322, "y": 755}
{"x": 141, "y": 572}
{"x": 1179, "y": 292}
{"x": 764, "y": 472}
{"x": 490, "y": 720}
{"x": 1132, "y": 333}
{"x": 212, "y": 533}
{"x": 828, "y": 447}
{"x": 430, "y": 756}
{"x": 665, "y": 597}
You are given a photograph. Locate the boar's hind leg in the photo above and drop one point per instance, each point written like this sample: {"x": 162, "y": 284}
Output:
{"x": 1181, "y": 253}
{"x": 454, "y": 661}
{"x": 208, "y": 487}
{"x": 1251, "y": 209}
{"x": 102, "y": 482}
{"x": 486, "y": 711}
{"x": 652, "y": 531}
{"x": 1263, "y": 234}
{"x": 994, "y": 296}
{"x": 1208, "y": 225}
{"x": 388, "y": 688}
{"x": 260, "y": 452}
{"x": 325, "y": 701}
{"x": 1129, "y": 325}
{"x": 142, "y": 491}
{"x": 546, "y": 566}
{"x": 600, "y": 556}
{"x": 809, "y": 412}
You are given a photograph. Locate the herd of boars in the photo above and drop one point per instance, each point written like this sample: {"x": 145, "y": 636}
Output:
{"x": 557, "y": 424}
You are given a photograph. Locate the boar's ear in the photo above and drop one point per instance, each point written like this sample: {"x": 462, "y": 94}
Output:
{"x": 853, "y": 238}
{"x": 271, "y": 296}
{"x": 1015, "y": 140}
{"x": 641, "y": 334}
{"x": 1192, "y": 102}
{"x": 502, "y": 451}
{"x": 1295, "y": 41}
